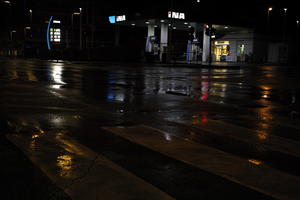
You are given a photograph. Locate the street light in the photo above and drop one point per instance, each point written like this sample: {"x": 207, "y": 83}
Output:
{"x": 72, "y": 23}
{"x": 11, "y": 34}
{"x": 9, "y": 3}
{"x": 297, "y": 38}
{"x": 30, "y": 12}
{"x": 284, "y": 25}
{"x": 270, "y": 9}
{"x": 80, "y": 28}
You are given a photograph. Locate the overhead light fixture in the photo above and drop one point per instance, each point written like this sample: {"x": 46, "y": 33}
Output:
{"x": 56, "y": 21}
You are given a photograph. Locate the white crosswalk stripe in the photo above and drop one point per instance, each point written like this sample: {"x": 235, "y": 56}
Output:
{"x": 245, "y": 172}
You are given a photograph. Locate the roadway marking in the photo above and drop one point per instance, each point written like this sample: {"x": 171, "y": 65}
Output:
{"x": 255, "y": 137}
{"x": 81, "y": 172}
{"x": 251, "y": 174}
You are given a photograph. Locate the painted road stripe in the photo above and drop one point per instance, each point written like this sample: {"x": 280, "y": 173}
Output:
{"x": 251, "y": 174}
{"x": 254, "y": 137}
{"x": 82, "y": 173}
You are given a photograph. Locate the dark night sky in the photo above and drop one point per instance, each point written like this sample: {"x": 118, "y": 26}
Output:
{"x": 244, "y": 12}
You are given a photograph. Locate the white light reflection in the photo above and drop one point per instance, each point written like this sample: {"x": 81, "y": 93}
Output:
{"x": 168, "y": 137}
{"x": 57, "y": 76}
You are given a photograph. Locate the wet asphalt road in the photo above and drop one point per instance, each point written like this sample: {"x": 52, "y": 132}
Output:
{"x": 251, "y": 113}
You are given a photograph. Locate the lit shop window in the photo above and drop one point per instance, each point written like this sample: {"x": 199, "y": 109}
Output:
{"x": 55, "y": 35}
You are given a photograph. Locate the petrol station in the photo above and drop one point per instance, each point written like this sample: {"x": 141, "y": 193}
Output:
{"x": 200, "y": 42}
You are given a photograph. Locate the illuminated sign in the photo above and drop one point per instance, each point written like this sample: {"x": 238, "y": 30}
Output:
{"x": 121, "y": 18}
{"x": 112, "y": 19}
{"x": 55, "y": 35}
{"x": 176, "y": 15}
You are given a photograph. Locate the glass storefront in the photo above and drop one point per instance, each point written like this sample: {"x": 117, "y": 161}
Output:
{"x": 221, "y": 49}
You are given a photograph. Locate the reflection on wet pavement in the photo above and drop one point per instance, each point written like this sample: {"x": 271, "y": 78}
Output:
{"x": 248, "y": 113}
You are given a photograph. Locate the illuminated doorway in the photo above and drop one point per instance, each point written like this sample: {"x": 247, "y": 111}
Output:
{"x": 221, "y": 50}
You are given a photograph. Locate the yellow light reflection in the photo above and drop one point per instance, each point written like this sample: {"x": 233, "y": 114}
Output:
{"x": 263, "y": 125}
{"x": 35, "y": 136}
{"x": 220, "y": 70}
{"x": 31, "y": 76}
{"x": 64, "y": 162}
{"x": 68, "y": 145}
{"x": 255, "y": 162}
{"x": 262, "y": 135}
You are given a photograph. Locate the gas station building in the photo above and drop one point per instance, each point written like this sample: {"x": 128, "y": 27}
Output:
{"x": 174, "y": 38}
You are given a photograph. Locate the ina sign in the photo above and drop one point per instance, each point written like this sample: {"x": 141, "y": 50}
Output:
{"x": 176, "y": 15}
{"x": 121, "y": 18}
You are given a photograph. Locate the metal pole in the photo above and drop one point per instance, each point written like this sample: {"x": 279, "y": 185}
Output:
{"x": 268, "y": 20}
{"x": 30, "y": 17}
{"x": 80, "y": 29}
{"x": 284, "y": 26}
{"x": 10, "y": 18}
{"x": 297, "y": 41}
{"x": 72, "y": 28}
{"x": 209, "y": 55}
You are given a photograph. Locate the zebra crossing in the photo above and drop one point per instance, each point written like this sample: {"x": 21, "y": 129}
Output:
{"x": 85, "y": 172}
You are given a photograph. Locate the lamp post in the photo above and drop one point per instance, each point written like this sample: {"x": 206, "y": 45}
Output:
{"x": 284, "y": 25}
{"x": 297, "y": 32}
{"x": 72, "y": 23}
{"x": 80, "y": 38}
{"x": 270, "y": 9}
{"x": 11, "y": 34}
{"x": 9, "y": 3}
{"x": 297, "y": 39}
{"x": 30, "y": 12}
